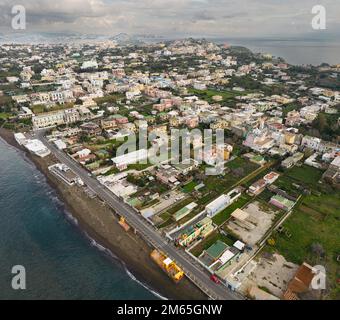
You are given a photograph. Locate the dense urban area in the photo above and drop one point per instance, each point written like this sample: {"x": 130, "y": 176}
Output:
{"x": 255, "y": 230}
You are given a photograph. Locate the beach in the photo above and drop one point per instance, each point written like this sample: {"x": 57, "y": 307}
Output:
{"x": 100, "y": 223}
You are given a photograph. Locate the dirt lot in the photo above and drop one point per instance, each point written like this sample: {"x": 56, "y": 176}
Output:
{"x": 264, "y": 218}
{"x": 272, "y": 274}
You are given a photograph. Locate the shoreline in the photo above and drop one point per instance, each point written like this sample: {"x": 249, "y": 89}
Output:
{"x": 102, "y": 230}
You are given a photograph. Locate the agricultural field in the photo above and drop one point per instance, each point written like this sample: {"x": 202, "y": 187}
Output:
{"x": 314, "y": 228}
{"x": 209, "y": 93}
{"x": 190, "y": 187}
{"x": 305, "y": 177}
{"x": 239, "y": 169}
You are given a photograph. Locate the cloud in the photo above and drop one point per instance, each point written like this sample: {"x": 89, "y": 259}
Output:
{"x": 229, "y": 18}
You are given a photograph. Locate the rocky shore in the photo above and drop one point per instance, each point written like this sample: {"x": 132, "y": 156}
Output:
{"x": 101, "y": 224}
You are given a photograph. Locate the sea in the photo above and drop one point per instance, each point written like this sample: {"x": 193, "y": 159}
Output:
{"x": 294, "y": 51}
{"x": 60, "y": 261}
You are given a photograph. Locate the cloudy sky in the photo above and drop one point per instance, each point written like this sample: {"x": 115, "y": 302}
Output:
{"x": 199, "y": 18}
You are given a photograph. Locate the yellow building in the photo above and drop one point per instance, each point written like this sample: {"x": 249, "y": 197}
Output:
{"x": 289, "y": 138}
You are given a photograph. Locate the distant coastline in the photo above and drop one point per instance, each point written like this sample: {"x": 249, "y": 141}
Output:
{"x": 306, "y": 50}
{"x": 295, "y": 52}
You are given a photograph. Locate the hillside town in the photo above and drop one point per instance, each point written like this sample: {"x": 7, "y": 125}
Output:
{"x": 260, "y": 225}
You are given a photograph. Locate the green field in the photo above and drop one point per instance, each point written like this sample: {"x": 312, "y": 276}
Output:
{"x": 305, "y": 174}
{"x": 316, "y": 220}
{"x": 224, "y": 215}
{"x": 220, "y": 184}
{"x": 4, "y": 115}
{"x": 189, "y": 187}
{"x": 209, "y": 93}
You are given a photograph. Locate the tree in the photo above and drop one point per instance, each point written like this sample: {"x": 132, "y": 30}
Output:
{"x": 322, "y": 122}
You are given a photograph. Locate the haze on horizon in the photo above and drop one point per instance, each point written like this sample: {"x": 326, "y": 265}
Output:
{"x": 175, "y": 18}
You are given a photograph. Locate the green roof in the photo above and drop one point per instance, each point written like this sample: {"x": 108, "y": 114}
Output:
{"x": 216, "y": 250}
{"x": 283, "y": 200}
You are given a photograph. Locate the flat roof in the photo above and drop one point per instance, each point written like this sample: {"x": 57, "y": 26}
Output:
{"x": 240, "y": 214}
{"x": 239, "y": 245}
{"x": 217, "y": 249}
{"x": 131, "y": 158}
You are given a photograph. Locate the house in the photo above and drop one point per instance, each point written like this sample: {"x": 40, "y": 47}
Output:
{"x": 257, "y": 187}
{"x": 301, "y": 282}
{"x": 281, "y": 202}
{"x": 186, "y": 166}
{"x": 293, "y": 118}
{"x": 271, "y": 177}
{"x": 311, "y": 143}
{"x": 201, "y": 229}
{"x": 292, "y": 161}
{"x": 332, "y": 175}
{"x": 26, "y": 113}
{"x": 91, "y": 129}
{"x": 168, "y": 175}
{"x": 108, "y": 123}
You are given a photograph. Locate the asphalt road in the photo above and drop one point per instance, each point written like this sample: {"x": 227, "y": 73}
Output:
{"x": 147, "y": 231}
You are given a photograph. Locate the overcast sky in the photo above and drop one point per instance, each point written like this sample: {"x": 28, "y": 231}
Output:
{"x": 199, "y": 18}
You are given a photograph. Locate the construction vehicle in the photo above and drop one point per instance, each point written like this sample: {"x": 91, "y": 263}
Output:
{"x": 123, "y": 224}
{"x": 167, "y": 265}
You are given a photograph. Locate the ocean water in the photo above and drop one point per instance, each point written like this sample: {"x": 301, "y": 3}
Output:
{"x": 36, "y": 232}
{"x": 294, "y": 51}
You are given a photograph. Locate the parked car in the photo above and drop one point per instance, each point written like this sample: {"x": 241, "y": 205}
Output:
{"x": 215, "y": 279}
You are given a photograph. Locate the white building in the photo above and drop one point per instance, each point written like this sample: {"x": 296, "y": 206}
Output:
{"x": 37, "y": 147}
{"x": 217, "y": 205}
{"x": 20, "y": 138}
{"x": 60, "y": 144}
{"x": 121, "y": 162}
{"x": 92, "y": 64}
{"x": 311, "y": 142}
{"x": 48, "y": 119}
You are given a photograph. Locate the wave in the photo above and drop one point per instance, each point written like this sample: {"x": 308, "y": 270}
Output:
{"x": 128, "y": 272}
{"x": 70, "y": 217}
{"x": 40, "y": 179}
{"x": 155, "y": 293}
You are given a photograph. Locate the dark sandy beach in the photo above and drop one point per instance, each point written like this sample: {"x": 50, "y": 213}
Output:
{"x": 101, "y": 224}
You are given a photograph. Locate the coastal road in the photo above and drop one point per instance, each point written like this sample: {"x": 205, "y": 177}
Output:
{"x": 146, "y": 230}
